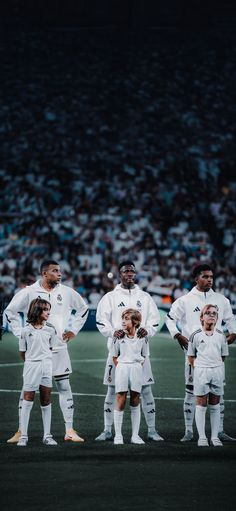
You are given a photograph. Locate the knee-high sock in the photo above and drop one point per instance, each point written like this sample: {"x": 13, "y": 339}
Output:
{"x": 118, "y": 421}
{"x": 214, "y": 419}
{"x": 135, "y": 419}
{"x": 46, "y": 416}
{"x": 148, "y": 407}
{"x": 20, "y": 408}
{"x": 109, "y": 404}
{"x": 25, "y": 415}
{"x": 66, "y": 401}
{"x": 200, "y": 417}
{"x": 222, "y": 413}
{"x": 189, "y": 409}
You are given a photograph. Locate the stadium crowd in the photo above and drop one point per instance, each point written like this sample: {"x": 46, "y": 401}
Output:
{"x": 114, "y": 148}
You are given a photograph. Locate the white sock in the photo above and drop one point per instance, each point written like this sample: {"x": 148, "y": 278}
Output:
{"x": 46, "y": 416}
{"x": 222, "y": 413}
{"x": 148, "y": 407}
{"x": 20, "y": 408}
{"x": 189, "y": 409}
{"x": 118, "y": 421}
{"x": 135, "y": 419}
{"x": 25, "y": 415}
{"x": 215, "y": 420}
{"x": 200, "y": 418}
{"x": 66, "y": 401}
{"x": 109, "y": 405}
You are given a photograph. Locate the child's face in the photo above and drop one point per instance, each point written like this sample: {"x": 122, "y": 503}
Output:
{"x": 210, "y": 316}
{"x": 127, "y": 324}
{"x": 45, "y": 312}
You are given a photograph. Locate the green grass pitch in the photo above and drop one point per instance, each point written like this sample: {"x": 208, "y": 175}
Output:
{"x": 157, "y": 476}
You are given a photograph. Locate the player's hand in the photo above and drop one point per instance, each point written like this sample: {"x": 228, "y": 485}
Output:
{"x": 183, "y": 341}
{"x": 231, "y": 338}
{"x": 119, "y": 334}
{"x": 142, "y": 332}
{"x": 67, "y": 336}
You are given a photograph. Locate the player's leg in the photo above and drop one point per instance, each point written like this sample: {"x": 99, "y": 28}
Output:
{"x": 200, "y": 417}
{"x": 67, "y": 407}
{"x": 135, "y": 417}
{"x": 136, "y": 380}
{"x": 109, "y": 402}
{"x": 118, "y": 417}
{"x": 16, "y": 437}
{"x": 189, "y": 403}
{"x": 148, "y": 403}
{"x": 214, "y": 408}
{"x": 149, "y": 411}
{"x": 46, "y": 410}
{"x": 222, "y": 435}
{"x": 27, "y": 404}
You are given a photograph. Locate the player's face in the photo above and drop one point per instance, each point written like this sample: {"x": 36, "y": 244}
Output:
{"x": 45, "y": 313}
{"x": 127, "y": 277}
{"x": 204, "y": 281}
{"x": 52, "y": 275}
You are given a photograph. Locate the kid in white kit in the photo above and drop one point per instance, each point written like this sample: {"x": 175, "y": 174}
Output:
{"x": 63, "y": 300}
{"x": 125, "y": 295}
{"x": 35, "y": 345}
{"x": 129, "y": 356}
{"x": 207, "y": 349}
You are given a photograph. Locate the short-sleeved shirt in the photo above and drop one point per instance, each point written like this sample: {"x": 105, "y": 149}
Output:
{"x": 36, "y": 343}
{"x": 208, "y": 349}
{"x": 130, "y": 350}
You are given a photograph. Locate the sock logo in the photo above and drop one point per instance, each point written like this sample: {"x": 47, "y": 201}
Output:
{"x": 152, "y": 411}
{"x": 187, "y": 411}
{"x": 107, "y": 410}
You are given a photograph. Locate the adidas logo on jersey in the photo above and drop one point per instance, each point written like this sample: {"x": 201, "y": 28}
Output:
{"x": 197, "y": 309}
{"x": 121, "y": 304}
{"x": 202, "y": 341}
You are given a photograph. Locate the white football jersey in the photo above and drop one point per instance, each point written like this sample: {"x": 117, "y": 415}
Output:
{"x": 36, "y": 342}
{"x": 130, "y": 350}
{"x": 112, "y": 304}
{"x": 63, "y": 299}
{"x": 185, "y": 311}
{"x": 208, "y": 349}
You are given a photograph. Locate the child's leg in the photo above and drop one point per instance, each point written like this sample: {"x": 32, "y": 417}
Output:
{"x": 119, "y": 412}
{"x": 135, "y": 412}
{"x": 46, "y": 409}
{"x": 200, "y": 415}
{"x": 27, "y": 404}
{"x": 214, "y": 402}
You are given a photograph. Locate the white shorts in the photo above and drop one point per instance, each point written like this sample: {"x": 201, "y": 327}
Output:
{"x": 128, "y": 376}
{"x": 209, "y": 379}
{"x": 61, "y": 363}
{"x": 109, "y": 374}
{"x": 37, "y": 373}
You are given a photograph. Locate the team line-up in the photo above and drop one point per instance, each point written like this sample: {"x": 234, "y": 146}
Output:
{"x": 127, "y": 317}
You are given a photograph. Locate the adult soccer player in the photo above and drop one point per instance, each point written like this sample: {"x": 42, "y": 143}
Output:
{"x": 127, "y": 295}
{"x": 185, "y": 311}
{"x": 64, "y": 301}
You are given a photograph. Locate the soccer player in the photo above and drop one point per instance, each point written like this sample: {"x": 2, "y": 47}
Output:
{"x": 66, "y": 306}
{"x": 207, "y": 349}
{"x": 127, "y": 295}
{"x": 185, "y": 311}
{"x": 129, "y": 355}
{"x": 35, "y": 344}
